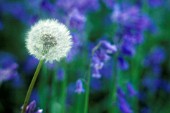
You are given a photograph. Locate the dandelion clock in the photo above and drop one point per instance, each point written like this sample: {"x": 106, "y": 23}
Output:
{"x": 48, "y": 40}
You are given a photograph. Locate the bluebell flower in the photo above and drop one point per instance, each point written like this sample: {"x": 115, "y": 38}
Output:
{"x": 8, "y": 67}
{"x": 116, "y": 14}
{"x": 88, "y": 5}
{"x": 60, "y": 74}
{"x": 155, "y": 57}
{"x": 109, "y": 3}
{"x": 31, "y": 108}
{"x": 79, "y": 87}
{"x": 76, "y": 19}
{"x": 46, "y": 5}
{"x": 109, "y": 48}
{"x": 81, "y": 5}
{"x": 77, "y": 44}
{"x": 101, "y": 54}
{"x": 120, "y": 92}
{"x": 155, "y": 3}
{"x": 96, "y": 73}
{"x": 128, "y": 48}
{"x": 122, "y": 103}
{"x": 65, "y": 5}
{"x": 122, "y": 63}
{"x": 131, "y": 90}
{"x": 15, "y": 9}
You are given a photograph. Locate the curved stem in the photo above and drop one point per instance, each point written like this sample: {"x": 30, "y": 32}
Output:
{"x": 87, "y": 93}
{"x": 31, "y": 86}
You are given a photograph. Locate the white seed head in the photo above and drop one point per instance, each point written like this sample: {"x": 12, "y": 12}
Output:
{"x": 49, "y": 40}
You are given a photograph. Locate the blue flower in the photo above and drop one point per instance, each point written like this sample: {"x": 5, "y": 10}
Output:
{"x": 46, "y": 5}
{"x": 8, "y": 67}
{"x": 100, "y": 56}
{"x": 77, "y": 44}
{"x": 31, "y": 108}
{"x": 155, "y": 3}
{"x": 122, "y": 103}
{"x": 109, "y": 3}
{"x": 108, "y": 47}
{"x": 15, "y": 9}
{"x": 131, "y": 89}
{"x": 122, "y": 63}
{"x": 76, "y": 19}
{"x": 60, "y": 74}
{"x": 79, "y": 87}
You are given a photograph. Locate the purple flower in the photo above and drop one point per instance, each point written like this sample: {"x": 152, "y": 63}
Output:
{"x": 123, "y": 64}
{"x": 65, "y": 5}
{"x": 122, "y": 103}
{"x": 120, "y": 92}
{"x": 96, "y": 63}
{"x": 101, "y": 56}
{"x": 8, "y": 67}
{"x": 79, "y": 87}
{"x": 115, "y": 16}
{"x": 75, "y": 48}
{"x": 46, "y": 5}
{"x": 155, "y": 57}
{"x": 15, "y": 9}
{"x": 51, "y": 65}
{"x": 155, "y": 3}
{"x": 96, "y": 73}
{"x": 128, "y": 48}
{"x": 108, "y": 47}
{"x": 131, "y": 89}
{"x": 109, "y": 3}
{"x": 31, "y": 108}
{"x": 88, "y": 5}
{"x": 60, "y": 74}
{"x": 76, "y": 19}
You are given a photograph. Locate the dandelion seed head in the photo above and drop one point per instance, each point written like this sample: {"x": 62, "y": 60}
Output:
{"x": 49, "y": 40}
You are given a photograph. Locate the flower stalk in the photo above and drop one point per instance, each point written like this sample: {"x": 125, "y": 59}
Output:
{"x": 31, "y": 86}
{"x": 87, "y": 93}
{"x": 114, "y": 87}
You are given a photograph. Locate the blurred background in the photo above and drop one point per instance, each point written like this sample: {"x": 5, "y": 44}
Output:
{"x": 129, "y": 67}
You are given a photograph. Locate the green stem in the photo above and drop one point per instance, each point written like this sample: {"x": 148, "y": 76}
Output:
{"x": 31, "y": 86}
{"x": 114, "y": 88}
{"x": 87, "y": 93}
{"x": 78, "y": 99}
{"x": 63, "y": 94}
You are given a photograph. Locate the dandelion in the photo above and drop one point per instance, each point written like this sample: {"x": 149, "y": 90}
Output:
{"x": 47, "y": 40}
